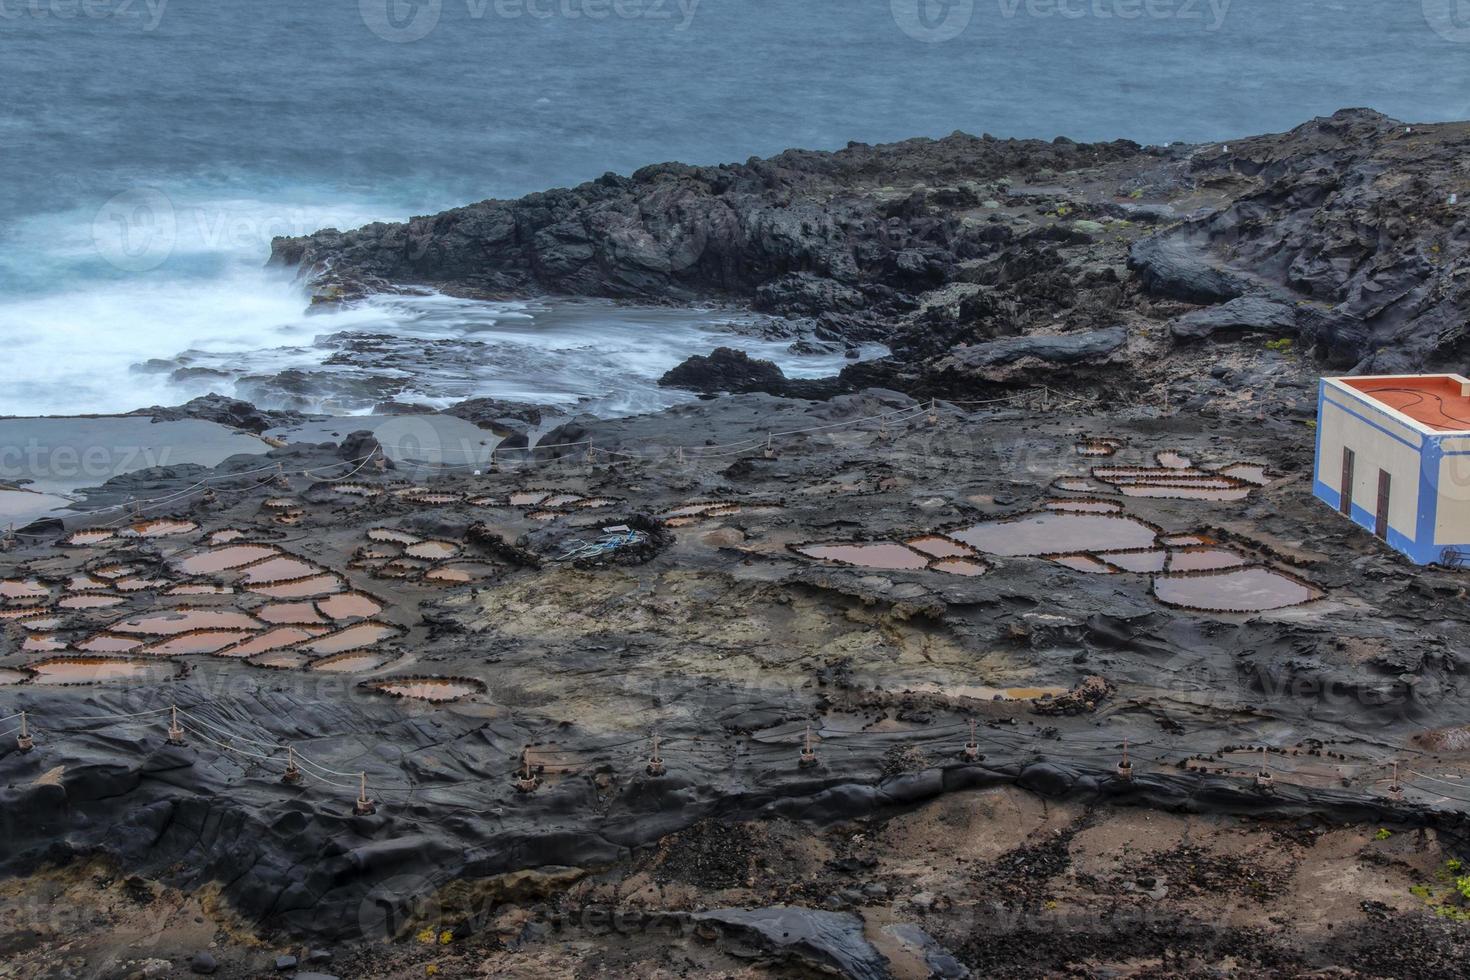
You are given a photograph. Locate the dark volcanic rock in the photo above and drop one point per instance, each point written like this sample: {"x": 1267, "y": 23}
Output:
{"x": 1248, "y": 314}
{"x": 492, "y": 413}
{"x": 1026, "y": 359}
{"x": 1169, "y": 266}
{"x": 727, "y": 369}
{"x": 802, "y": 293}
{"x": 829, "y": 941}
{"x": 360, "y": 444}
{"x": 1063, "y": 349}
{"x": 724, "y": 369}
{"x": 1347, "y": 220}
{"x": 1350, "y": 212}
{"x": 803, "y": 232}
{"x": 226, "y": 411}
{"x": 402, "y": 408}
{"x": 306, "y": 390}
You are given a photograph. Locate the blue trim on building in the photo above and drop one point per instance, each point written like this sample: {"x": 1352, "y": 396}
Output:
{"x": 1421, "y": 554}
{"x": 1416, "y": 446}
{"x": 1428, "y": 497}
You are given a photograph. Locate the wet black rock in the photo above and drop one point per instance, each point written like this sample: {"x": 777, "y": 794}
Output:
{"x": 403, "y": 408}
{"x": 724, "y": 369}
{"x": 804, "y": 294}
{"x": 803, "y": 232}
{"x": 203, "y": 963}
{"x": 226, "y": 411}
{"x": 328, "y": 390}
{"x": 361, "y": 444}
{"x": 928, "y": 244}
{"x": 495, "y": 414}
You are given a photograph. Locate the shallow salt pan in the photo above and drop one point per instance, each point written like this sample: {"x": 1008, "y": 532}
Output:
{"x": 876, "y": 554}
{"x": 1041, "y": 534}
{"x": 224, "y": 559}
{"x": 352, "y": 638}
{"x": 162, "y": 527}
{"x": 1204, "y": 559}
{"x": 349, "y": 605}
{"x": 357, "y": 661}
{"x": 95, "y": 670}
{"x": 174, "y": 621}
{"x": 936, "y": 546}
{"x": 960, "y": 566}
{"x": 279, "y": 569}
{"x": 23, "y": 589}
{"x": 277, "y": 639}
{"x": 1252, "y": 589}
{"x": 433, "y": 550}
{"x": 199, "y": 641}
{"x": 305, "y": 588}
{"x": 435, "y": 689}
{"x": 109, "y": 643}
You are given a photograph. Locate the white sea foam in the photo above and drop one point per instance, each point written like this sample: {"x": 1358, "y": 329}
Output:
{"x": 210, "y": 314}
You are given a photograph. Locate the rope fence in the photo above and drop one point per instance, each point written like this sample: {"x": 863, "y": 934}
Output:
{"x": 532, "y": 763}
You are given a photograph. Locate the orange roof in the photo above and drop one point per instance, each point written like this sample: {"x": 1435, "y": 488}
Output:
{"x": 1439, "y": 401}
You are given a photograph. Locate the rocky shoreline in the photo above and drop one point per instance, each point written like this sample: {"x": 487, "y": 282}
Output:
{"x": 710, "y": 673}
{"x": 1338, "y": 235}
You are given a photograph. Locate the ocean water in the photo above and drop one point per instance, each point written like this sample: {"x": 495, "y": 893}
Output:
{"x": 151, "y": 148}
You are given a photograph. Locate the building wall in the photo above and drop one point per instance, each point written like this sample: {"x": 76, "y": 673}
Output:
{"x": 1379, "y": 442}
{"x": 1452, "y": 509}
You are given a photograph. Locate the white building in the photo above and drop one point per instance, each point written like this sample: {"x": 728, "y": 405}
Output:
{"x": 1393, "y": 454}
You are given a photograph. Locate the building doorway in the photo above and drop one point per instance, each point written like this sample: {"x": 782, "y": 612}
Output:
{"x": 1380, "y": 520}
{"x": 1345, "y": 498}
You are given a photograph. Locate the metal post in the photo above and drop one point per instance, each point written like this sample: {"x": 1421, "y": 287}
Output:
{"x": 656, "y": 765}
{"x": 526, "y": 779}
{"x": 24, "y": 742}
{"x": 933, "y": 411}
{"x": 1263, "y": 778}
{"x": 972, "y": 747}
{"x": 770, "y": 449}
{"x": 175, "y": 730}
{"x": 292, "y": 775}
{"x": 1125, "y": 768}
{"x": 1394, "y": 789}
{"x": 363, "y": 807}
{"x": 808, "y": 754}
